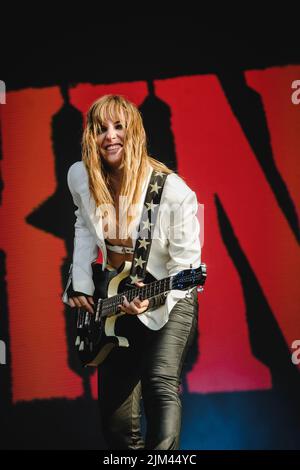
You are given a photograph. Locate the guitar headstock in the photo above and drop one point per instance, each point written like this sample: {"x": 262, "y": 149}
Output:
{"x": 190, "y": 278}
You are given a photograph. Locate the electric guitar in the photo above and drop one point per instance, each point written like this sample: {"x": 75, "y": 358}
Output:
{"x": 96, "y": 335}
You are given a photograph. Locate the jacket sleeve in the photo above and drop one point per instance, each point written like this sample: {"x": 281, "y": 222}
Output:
{"x": 183, "y": 247}
{"x": 85, "y": 251}
{"x": 184, "y": 236}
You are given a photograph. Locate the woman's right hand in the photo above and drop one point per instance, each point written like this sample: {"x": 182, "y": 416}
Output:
{"x": 82, "y": 301}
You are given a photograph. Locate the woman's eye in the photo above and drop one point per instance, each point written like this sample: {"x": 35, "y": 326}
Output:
{"x": 102, "y": 129}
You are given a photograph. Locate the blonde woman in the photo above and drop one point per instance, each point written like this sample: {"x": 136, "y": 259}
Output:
{"x": 108, "y": 187}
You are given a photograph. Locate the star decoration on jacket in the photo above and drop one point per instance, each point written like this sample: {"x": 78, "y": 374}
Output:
{"x": 151, "y": 206}
{"x": 135, "y": 279}
{"x": 155, "y": 188}
{"x": 139, "y": 262}
{"x": 143, "y": 243}
{"x": 147, "y": 224}
{"x": 159, "y": 173}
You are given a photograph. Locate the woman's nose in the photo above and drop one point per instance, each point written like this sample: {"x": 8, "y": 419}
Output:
{"x": 111, "y": 133}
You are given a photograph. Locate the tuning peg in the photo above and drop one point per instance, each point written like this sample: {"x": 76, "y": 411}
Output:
{"x": 77, "y": 342}
{"x": 81, "y": 347}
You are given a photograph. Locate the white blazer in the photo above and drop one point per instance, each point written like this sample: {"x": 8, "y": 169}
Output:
{"x": 175, "y": 244}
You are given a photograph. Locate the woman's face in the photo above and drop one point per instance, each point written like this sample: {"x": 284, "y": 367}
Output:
{"x": 110, "y": 141}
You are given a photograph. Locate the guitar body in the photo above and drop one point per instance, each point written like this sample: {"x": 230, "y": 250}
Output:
{"x": 96, "y": 339}
{"x": 96, "y": 335}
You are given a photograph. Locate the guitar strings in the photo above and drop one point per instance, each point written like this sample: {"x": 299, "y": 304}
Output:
{"x": 111, "y": 304}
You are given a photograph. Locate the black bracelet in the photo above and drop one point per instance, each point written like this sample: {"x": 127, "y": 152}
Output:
{"x": 74, "y": 293}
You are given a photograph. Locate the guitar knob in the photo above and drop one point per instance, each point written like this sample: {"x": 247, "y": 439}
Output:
{"x": 200, "y": 289}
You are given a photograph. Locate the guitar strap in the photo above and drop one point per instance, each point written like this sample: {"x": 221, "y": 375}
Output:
{"x": 147, "y": 225}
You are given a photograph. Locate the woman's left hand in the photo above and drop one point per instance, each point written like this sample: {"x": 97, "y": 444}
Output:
{"x": 136, "y": 306}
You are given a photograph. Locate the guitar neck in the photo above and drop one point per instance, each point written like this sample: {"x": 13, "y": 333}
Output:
{"x": 110, "y": 305}
{"x": 182, "y": 281}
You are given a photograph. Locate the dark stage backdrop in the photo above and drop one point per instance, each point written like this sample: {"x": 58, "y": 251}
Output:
{"x": 233, "y": 134}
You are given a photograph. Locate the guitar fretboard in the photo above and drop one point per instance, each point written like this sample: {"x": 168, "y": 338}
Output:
{"x": 110, "y": 305}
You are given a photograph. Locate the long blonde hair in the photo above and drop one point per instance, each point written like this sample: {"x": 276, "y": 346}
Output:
{"x": 135, "y": 157}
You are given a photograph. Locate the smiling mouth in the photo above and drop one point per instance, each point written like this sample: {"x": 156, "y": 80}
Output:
{"x": 113, "y": 147}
